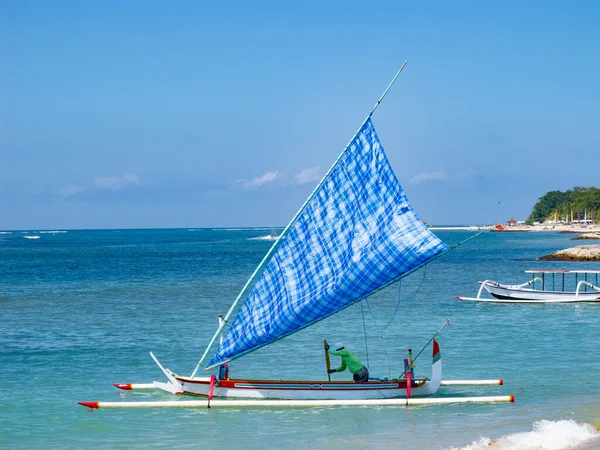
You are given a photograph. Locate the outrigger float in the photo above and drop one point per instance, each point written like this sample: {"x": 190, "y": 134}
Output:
{"x": 356, "y": 234}
{"x": 298, "y": 403}
{"x": 546, "y": 286}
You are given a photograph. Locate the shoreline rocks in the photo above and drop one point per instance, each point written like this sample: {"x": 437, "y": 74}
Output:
{"x": 579, "y": 253}
{"x": 587, "y": 236}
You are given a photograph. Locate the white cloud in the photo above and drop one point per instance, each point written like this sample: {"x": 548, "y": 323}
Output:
{"x": 280, "y": 179}
{"x": 307, "y": 175}
{"x": 115, "y": 183}
{"x": 266, "y": 177}
{"x": 71, "y": 190}
{"x": 427, "y": 176}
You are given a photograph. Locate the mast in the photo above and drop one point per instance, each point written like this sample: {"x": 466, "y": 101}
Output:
{"x": 257, "y": 272}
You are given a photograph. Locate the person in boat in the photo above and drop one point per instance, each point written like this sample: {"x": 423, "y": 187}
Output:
{"x": 359, "y": 371}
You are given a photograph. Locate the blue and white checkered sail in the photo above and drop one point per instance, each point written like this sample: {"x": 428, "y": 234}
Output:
{"x": 357, "y": 233}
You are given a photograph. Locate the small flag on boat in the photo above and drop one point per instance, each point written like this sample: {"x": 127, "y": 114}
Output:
{"x": 436, "y": 352}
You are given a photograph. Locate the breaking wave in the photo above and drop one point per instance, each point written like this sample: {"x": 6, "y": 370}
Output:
{"x": 546, "y": 435}
{"x": 268, "y": 237}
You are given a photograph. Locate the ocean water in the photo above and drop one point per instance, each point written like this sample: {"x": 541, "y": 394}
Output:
{"x": 81, "y": 309}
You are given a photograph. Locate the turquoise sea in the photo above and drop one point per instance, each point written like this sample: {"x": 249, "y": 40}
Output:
{"x": 81, "y": 310}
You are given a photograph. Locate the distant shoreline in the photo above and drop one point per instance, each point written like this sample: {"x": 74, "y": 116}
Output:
{"x": 555, "y": 228}
{"x": 460, "y": 228}
{"x": 595, "y": 228}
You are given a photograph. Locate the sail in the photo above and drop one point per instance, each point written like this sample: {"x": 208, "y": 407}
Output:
{"x": 357, "y": 233}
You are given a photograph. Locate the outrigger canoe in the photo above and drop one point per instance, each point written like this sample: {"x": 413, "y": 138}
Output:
{"x": 544, "y": 287}
{"x": 356, "y": 234}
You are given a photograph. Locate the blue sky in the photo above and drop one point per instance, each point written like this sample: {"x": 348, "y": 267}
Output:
{"x": 205, "y": 114}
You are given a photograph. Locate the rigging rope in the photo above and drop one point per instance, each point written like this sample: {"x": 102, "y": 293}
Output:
{"x": 381, "y": 330}
{"x": 409, "y": 297}
{"x": 365, "y": 332}
{"x": 398, "y": 307}
{"x": 382, "y": 340}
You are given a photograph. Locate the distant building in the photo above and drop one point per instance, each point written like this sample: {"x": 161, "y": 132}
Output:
{"x": 512, "y": 222}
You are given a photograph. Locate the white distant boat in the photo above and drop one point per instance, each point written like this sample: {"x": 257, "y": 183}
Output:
{"x": 543, "y": 289}
{"x": 268, "y": 237}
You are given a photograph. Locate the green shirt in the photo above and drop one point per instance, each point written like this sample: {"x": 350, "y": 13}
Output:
{"x": 348, "y": 360}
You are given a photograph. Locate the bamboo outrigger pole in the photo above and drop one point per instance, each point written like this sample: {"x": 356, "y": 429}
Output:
{"x": 299, "y": 403}
{"x": 250, "y": 283}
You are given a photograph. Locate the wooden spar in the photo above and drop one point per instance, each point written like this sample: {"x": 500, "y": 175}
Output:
{"x": 143, "y": 386}
{"x": 385, "y": 92}
{"x": 299, "y": 403}
{"x": 327, "y": 360}
{"x": 259, "y": 269}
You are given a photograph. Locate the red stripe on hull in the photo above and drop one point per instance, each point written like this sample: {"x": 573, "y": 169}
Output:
{"x": 276, "y": 385}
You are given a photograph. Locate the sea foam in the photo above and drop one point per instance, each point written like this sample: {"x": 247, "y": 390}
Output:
{"x": 546, "y": 435}
{"x": 268, "y": 237}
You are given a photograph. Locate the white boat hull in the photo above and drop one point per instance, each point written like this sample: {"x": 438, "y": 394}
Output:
{"x": 306, "y": 390}
{"x": 503, "y": 293}
{"x": 303, "y": 390}
{"x": 506, "y": 293}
